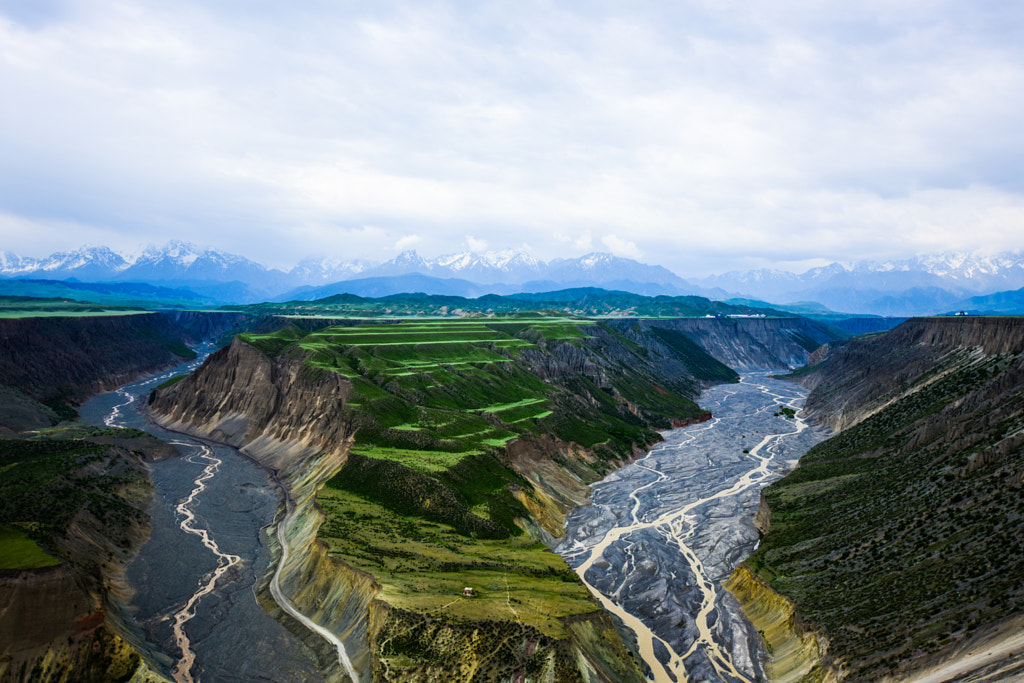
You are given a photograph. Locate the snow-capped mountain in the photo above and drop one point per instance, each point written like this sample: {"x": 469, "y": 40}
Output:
{"x": 921, "y": 285}
{"x": 183, "y": 261}
{"x": 602, "y": 267}
{"x": 915, "y": 286}
{"x": 87, "y": 263}
{"x": 320, "y": 269}
{"x": 508, "y": 267}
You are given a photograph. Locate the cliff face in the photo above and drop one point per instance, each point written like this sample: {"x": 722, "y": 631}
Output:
{"x": 751, "y": 343}
{"x": 897, "y": 538}
{"x": 266, "y": 407}
{"x": 408, "y": 525}
{"x": 859, "y": 378}
{"x": 85, "y": 498}
{"x": 77, "y": 357}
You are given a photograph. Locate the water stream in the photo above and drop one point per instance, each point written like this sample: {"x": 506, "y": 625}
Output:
{"x": 194, "y": 602}
{"x": 660, "y": 535}
{"x": 653, "y": 545}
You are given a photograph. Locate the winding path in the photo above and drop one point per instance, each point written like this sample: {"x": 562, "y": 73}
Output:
{"x": 281, "y": 599}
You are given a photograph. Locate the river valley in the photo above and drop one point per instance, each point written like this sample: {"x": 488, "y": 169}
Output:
{"x": 660, "y": 535}
{"x": 653, "y": 545}
{"x": 194, "y": 604}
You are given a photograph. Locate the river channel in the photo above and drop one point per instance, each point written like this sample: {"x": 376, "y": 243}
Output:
{"x": 653, "y": 545}
{"x": 659, "y": 536}
{"x": 194, "y": 605}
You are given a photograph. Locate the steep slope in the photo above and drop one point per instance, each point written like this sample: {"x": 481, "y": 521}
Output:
{"x": 898, "y": 539}
{"x": 430, "y": 447}
{"x": 749, "y": 343}
{"x": 60, "y": 361}
{"x": 71, "y": 516}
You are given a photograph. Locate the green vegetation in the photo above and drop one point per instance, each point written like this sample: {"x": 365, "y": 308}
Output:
{"x": 588, "y": 302}
{"x": 18, "y": 551}
{"x": 36, "y": 307}
{"x": 430, "y": 500}
{"x": 424, "y": 566}
{"x": 47, "y": 482}
{"x": 785, "y": 411}
{"x": 703, "y": 366}
{"x": 901, "y": 535}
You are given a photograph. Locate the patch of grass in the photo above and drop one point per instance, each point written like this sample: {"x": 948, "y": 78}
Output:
{"x": 18, "y": 551}
{"x": 425, "y": 566}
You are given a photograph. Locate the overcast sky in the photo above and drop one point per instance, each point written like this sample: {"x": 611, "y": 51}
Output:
{"x": 702, "y": 135}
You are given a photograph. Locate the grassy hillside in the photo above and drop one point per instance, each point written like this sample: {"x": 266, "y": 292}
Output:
{"x": 900, "y": 537}
{"x": 431, "y": 500}
{"x": 47, "y": 482}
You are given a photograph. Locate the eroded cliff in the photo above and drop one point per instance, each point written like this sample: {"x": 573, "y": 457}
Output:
{"x": 896, "y": 539}
{"x": 80, "y": 499}
{"x": 447, "y": 444}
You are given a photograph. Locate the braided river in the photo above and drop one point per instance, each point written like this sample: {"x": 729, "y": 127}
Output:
{"x": 654, "y": 543}
{"x": 659, "y": 536}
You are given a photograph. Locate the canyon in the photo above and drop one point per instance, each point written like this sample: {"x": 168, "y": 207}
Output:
{"x": 385, "y": 494}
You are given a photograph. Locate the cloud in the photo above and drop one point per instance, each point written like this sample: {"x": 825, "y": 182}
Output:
{"x": 712, "y": 134}
{"x": 407, "y": 242}
{"x": 476, "y": 245}
{"x": 621, "y": 247}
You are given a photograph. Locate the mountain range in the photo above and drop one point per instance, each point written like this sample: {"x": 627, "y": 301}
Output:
{"x": 922, "y": 285}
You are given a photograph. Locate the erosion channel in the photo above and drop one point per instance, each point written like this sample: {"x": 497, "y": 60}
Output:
{"x": 659, "y": 536}
{"x": 194, "y": 605}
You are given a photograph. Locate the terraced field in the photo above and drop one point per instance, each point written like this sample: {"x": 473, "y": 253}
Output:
{"x": 430, "y": 500}
{"x": 429, "y": 392}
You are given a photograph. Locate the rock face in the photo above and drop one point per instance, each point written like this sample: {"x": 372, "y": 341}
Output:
{"x": 61, "y": 623}
{"x": 270, "y": 407}
{"x": 858, "y": 379}
{"x": 795, "y": 651}
{"x": 897, "y": 539}
{"x": 751, "y": 343}
{"x": 71, "y": 358}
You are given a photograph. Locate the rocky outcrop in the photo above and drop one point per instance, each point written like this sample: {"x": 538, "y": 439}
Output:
{"x": 53, "y": 629}
{"x": 795, "y": 654}
{"x": 204, "y": 325}
{"x": 498, "y": 650}
{"x": 273, "y": 409}
{"x": 859, "y": 378}
{"x": 65, "y": 622}
{"x": 78, "y": 357}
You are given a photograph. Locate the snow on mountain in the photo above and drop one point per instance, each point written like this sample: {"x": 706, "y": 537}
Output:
{"x": 184, "y": 261}
{"x": 86, "y": 263}
{"x": 917, "y": 284}
{"x": 318, "y": 270}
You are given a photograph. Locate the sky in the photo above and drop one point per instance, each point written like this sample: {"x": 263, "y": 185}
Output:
{"x": 700, "y": 135}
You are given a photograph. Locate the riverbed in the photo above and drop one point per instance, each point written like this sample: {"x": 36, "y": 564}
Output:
{"x": 194, "y": 605}
{"x": 654, "y": 543}
{"x": 659, "y": 536}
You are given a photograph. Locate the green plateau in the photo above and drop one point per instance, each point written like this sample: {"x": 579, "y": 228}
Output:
{"x": 430, "y": 500}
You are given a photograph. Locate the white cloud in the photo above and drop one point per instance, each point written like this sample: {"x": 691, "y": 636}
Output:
{"x": 621, "y": 247}
{"x": 407, "y": 242}
{"x": 709, "y": 133}
{"x": 476, "y": 245}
